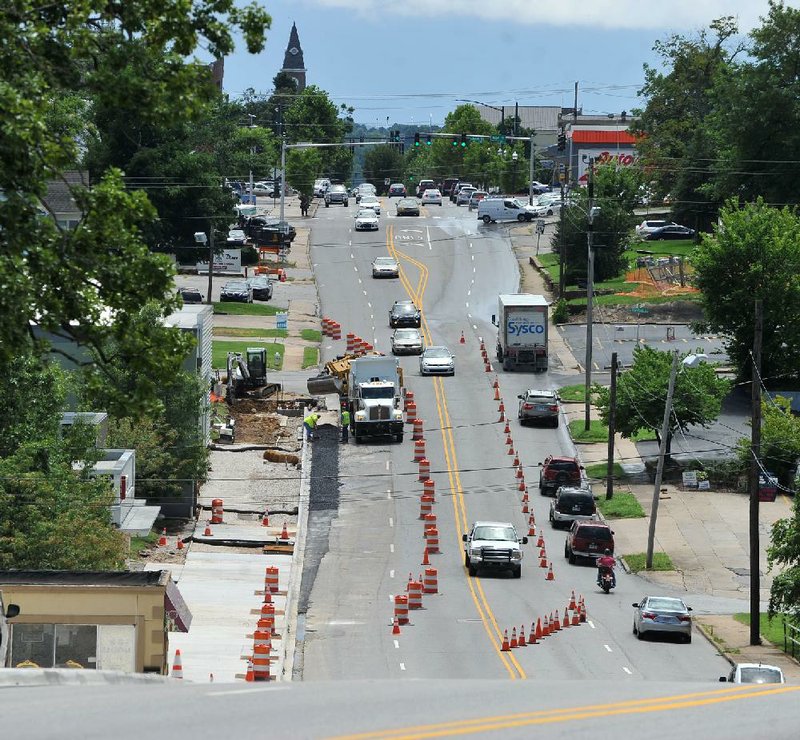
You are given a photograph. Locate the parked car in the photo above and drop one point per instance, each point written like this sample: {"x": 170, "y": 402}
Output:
{"x": 559, "y": 471}
{"x": 425, "y": 185}
{"x": 366, "y": 220}
{"x": 370, "y": 201}
{"x": 385, "y": 267}
{"x": 538, "y": 405}
{"x": 336, "y": 194}
{"x": 754, "y": 673}
{"x": 265, "y": 188}
{"x": 476, "y": 197}
{"x": 190, "y": 295}
{"x": 588, "y": 540}
{"x": 236, "y": 238}
{"x": 464, "y": 194}
{"x": 404, "y": 313}
{"x": 548, "y": 205}
{"x": 572, "y": 504}
{"x": 431, "y": 198}
{"x": 437, "y": 360}
{"x": 649, "y": 225}
{"x": 262, "y": 287}
{"x": 539, "y": 188}
{"x": 495, "y": 546}
{"x": 236, "y": 290}
{"x": 408, "y": 207}
{"x": 397, "y": 189}
{"x": 671, "y": 231}
{"x": 662, "y": 614}
{"x": 407, "y": 342}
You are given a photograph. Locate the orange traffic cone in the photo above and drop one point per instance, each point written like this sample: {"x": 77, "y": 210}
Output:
{"x": 502, "y": 418}
{"x": 496, "y": 382}
{"x": 425, "y": 559}
{"x": 521, "y": 642}
{"x": 265, "y": 519}
{"x": 284, "y": 533}
{"x": 520, "y": 474}
{"x": 576, "y": 618}
{"x": 505, "y": 646}
{"x": 179, "y": 544}
{"x": 177, "y": 665}
{"x": 249, "y": 675}
{"x": 507, "y": 429}
{"x": 545, "y": 626}
{"x": 540, "y": 541}
{"x": 162, "y": 541}
{"x": 395, "y": 627}
{"x": 514, "y": 642}
{"x": 542, "y": 558}
{"x": 515, "y": 464}
{"x": 462, "y": 340}
{"x": 208, "y": 532}
{"x": 572, "y": 600}
{"x": 583, "y": 610}
{"x": 496, "y": 393}
{"x": 531, "y": 527}
{"x": 557, "y": 622}
{"x": 550, "y": 576}
{"x": 539, "y": 634}
{"x": 525, "y": 507}
{"x": 521, "y": 485}
{"x": 511, "y": 450}
{"x": 532, "y": 639}
{"x": 509, "y": 441}
{"x": 483, "y": 346}
{"x": 525, "y": 497}
{"x": 565, "y": 622}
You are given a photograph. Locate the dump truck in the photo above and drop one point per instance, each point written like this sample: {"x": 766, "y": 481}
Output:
{"x": 370, "y": 387}
{"x": 521, "y": 322}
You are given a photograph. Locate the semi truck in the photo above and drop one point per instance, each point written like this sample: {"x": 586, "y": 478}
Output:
{"x": 521, "y": 322}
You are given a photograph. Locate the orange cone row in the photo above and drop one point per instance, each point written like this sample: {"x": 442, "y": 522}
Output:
{"x": 545, "y": 626}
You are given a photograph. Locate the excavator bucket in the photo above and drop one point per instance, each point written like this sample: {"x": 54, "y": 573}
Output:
{"x": 324, "y": 384}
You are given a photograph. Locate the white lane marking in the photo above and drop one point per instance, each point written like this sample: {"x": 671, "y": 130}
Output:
{"x": 391, "y": 597}
{"x": 607, "y": 648}
{"x": 388, "y": 464}
{"x": 474, "y": 326}
{"x": 402, "y": 666}
{"x": 396, "y": 644}
{"x": 355, "y": 268}
{"x": 590, "y": 623}
{"x": 467, "y": 304}
{"x": 369, "y": 304}
{"x": 391, "y": 522}
{"x": 391, "y": 547}
{"x": 470, "y": 246}
{"x": 469, "y": 292}
{"x": 388, "y": 494}
{"x": 627, "y": 670}
{"x": 372, "y": 318}
{"x": 363, "y": 291}
{"x": 391, "y": 574}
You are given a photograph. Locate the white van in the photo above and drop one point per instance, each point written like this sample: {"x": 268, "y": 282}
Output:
{"x": 505, "y": 209}
{"x": 321, "y": 186}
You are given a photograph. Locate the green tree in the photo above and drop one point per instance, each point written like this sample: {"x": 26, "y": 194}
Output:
{"x": 302, "y": 168}
{"x": 616, "y": 190}
{"x": 780, "y": 441}
{"x": 754, "y": 253}
{"x": 784, "y": 553}
{"x": 384, "y": 162}
{"x": 642, "y": 395}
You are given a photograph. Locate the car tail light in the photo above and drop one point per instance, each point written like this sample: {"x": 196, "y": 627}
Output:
{"x": 684, "y": 618}
{"x": 527, "y": 406}
{"x": 648, "y": 615}
{"x": 554, "y": 408}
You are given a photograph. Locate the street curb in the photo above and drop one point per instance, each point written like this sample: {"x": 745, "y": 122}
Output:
{"x": 715, "y": 645}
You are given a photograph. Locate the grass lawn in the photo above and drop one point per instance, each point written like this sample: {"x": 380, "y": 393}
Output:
{"x": 624, "y": 505}
{"x": 573, "y": 393}
{"x": 236, "y": 331}
{"x": 629, "y": 300}
{"x": 661, "y": 561}
{"x": 143, "y": 543}
{"x": 644, "y": 435}
{"x": 247, "y": 309}
{"x": 310, "y": 357}
{"x": 598, "y": 432}
{"x": 598, "y": 470}
{"x": 771, "y": 630}
{"x": 220, "y": 349}
{"x": 311, "y": 335}
{"x": 550, "y": 263}
{"x": 677, "y": 248}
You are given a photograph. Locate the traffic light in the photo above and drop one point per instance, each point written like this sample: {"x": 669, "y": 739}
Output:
{"x": 562, "y": 140}
{"x": 455, "y": 142}
{"x": 463, "y": 139}
{"x": 416, "y": 139}
{"x": 428, "y": 140}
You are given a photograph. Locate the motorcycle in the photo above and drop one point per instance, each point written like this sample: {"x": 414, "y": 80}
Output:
{"x": 607, "y": 580}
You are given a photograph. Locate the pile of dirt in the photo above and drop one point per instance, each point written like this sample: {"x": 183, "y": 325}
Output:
{"x": 674, "y": 312}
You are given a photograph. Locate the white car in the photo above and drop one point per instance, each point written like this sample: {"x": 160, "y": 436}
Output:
{"x": 437, "y": 360}
{"x": 236, "y": 237}
{"x": 366, "y": 220}
{"x": 366, "y": 188}
{"x": 431, "y": 198}
{"x": 370, "y": 201}
{"x": 548, "y": 205}
{"x": 385, "y": 267}
{"x": 263, "y": 188}
{"x": 648, "y": 226}
{"x": 754, "y": 673}
{"x": 540, "y": 187}
{"x": 406, "y": 342}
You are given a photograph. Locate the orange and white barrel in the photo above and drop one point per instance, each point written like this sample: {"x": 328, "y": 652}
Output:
{"x": 432, "y": 540}
{"x": 325, "y": 326}
{"x": 351, "y": 342}
{"x": 261, "y": 663}
{"x": 424, "y": 469}
{"x": 425, "y": 505}
{"x": 262, "y": 637}
{"x": 430, "y": 584}
{"x": 418, "y": 431}
{"x": 401, "y": 608}
{"x": 271, "y": 579}
{"x": 411, "y": 412}
{"x": 409, "y": 398}
{"x": 429, "y": 487}
{"x": 419, "y": 450}
{"x": 429, "y": 521}
{"x": 415, "y": 594}
{"x": 336, "y": 330}
{"x": 368, "y": 347}
{"x": 217, "y": 513}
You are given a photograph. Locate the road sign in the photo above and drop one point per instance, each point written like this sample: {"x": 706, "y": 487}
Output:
{"x": 475, "y": 138}
{"x": 281, "y": 320}
{"x": 540, "y": 226}
{"x": 497, "y": 137}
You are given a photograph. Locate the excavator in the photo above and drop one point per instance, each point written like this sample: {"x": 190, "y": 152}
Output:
{"x": 247, "y": 375}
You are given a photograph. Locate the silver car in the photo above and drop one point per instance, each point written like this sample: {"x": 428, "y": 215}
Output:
{"x": 662, "y": 614}
{"x": 370, "y": 201}
{"x": 538, "y": 405}
{"x": 406, "y": 342}
{"x": 464, "y": 195}
{"x": 754, "y": 673}
{"x": 437, "y": 361}
{"x": 385, "y": 267}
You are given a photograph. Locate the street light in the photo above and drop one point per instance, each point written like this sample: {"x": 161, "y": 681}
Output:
{"x": 514, "y": 158}
{"x": 502, "y": 110}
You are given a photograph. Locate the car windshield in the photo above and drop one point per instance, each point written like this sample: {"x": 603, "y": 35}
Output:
{"x": 366, "y": 213}
{"x": 406, "y": 334}
{"x": 379, "y": 392}
{"x": 235, "y": 286}
{"x": 666, "y": 604}
{"x": 567, "y": 465}
{"x": 759, "y": 674}
{"x": 390, "y": 261}
{"x": 405, "y": 310}
{"x": 235, "y": 234}
{"x": 437, "y": 352}
{"x": 501, "y": 534}
{"x": 368, "y": 199}
{"x": 258, "y": 281}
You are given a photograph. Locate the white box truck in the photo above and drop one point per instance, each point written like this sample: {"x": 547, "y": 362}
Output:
{"x": 521, "y": 323}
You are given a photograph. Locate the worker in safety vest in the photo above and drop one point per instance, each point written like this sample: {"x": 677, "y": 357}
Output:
{"x": 310, "y": 424}
{"x": 345, "y": 425}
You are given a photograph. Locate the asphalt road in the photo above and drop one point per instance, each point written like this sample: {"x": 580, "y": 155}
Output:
{"x": 454, "y": 269}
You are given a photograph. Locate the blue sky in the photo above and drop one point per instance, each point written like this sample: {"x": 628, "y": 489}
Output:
{"x": 410, "y": 60}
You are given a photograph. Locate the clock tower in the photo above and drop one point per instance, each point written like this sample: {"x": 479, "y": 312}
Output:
{"x": 293, "y": 64}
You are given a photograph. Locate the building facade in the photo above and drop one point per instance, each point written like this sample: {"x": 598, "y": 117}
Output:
{"x": 293, "y": 64}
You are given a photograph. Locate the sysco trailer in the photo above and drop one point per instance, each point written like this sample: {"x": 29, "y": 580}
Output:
{"x": 521, "y": 322}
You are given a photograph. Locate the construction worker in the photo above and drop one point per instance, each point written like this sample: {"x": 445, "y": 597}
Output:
{"x": 310, "y": 424}
{"x": 345, "y": 425}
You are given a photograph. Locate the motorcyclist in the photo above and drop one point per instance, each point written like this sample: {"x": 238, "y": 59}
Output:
{"x": 605, "y": 564}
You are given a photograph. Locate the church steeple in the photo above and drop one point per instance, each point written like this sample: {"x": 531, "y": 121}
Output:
{"x": 293, "y": 64}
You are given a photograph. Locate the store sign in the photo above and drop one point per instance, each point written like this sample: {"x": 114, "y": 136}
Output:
{"x": 228, "y": 261}
{"x": 620, "y": 156}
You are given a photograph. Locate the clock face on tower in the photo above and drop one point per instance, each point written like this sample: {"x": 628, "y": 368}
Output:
{"x": 294, "y": 50}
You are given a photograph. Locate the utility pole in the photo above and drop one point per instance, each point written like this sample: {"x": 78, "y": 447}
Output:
{"x": 573, "y": 171}
{"x": 533, "y": 169}
{"x": 210, "y": 261}
{"x": 662, "y": 451}
{"x": 755, "y": 471}
{"x": 562, "y": 250}
{"x": 589, "y": 296}
{"x": 283, "y": 180}
{"x": 516, "y": 116}
{"x": 612, "y": 428}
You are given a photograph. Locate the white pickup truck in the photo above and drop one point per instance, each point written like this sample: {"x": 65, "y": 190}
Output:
{"x": 493, "y": 545}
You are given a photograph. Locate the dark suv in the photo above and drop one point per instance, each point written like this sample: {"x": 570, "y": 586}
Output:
{"x": 570, "y": 505}
{"x": 404, "y": 313}
{"x": 559, "y": 471}
{"x": 336, "y": 194}
{"x": 588, "y": 540}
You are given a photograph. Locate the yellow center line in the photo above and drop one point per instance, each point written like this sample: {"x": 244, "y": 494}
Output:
{"x": 459, "y": 509}
{"x": 552, "y": 716}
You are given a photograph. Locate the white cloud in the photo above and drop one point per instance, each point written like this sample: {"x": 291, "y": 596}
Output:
{"x": 671, "y": 15}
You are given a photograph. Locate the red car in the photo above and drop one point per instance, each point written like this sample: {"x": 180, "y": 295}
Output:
{"x": 588, "y": 540}
{"x": 559, "y": 471}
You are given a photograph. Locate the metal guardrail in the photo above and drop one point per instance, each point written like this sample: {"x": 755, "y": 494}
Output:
{"x": 791, "y": 639}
